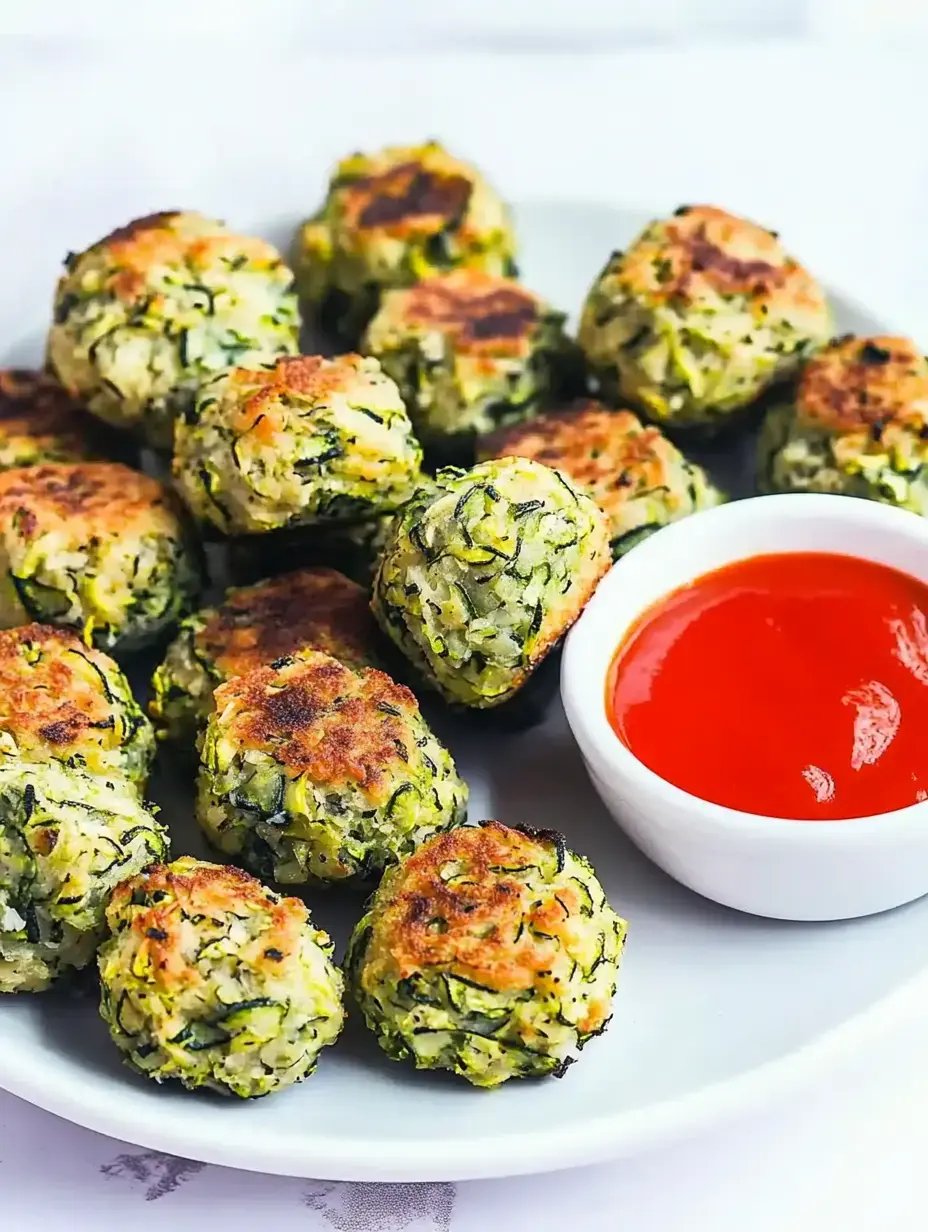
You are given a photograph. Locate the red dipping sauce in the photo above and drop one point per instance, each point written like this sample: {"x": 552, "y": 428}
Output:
{"x": 793, "y": 685}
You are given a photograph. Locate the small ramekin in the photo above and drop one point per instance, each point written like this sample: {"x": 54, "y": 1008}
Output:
{"x": 768, "y": 866}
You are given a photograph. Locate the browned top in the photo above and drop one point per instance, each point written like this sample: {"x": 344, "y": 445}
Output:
{"x": 39, "y": 419}
{"x": 868, "y": 384}
{"x": 703, "y": 249}
{"x": 610, "y": 453}
{"x": 312, "y": 377}
{"x": 51, "y": 691}
{"x": 34, "y": 404}
{"x": 82, "y": 498}
{"x": 405, "y": 198}
{"x": 481, "y": 313}
{"x": 311, "y": 607}
{"x": 189, "y": 889}
{"x": 172, "y": 238}
{"x": 456, "y": 907}
{"x": 161, "y": 220}
{"x": 316, "y": 717}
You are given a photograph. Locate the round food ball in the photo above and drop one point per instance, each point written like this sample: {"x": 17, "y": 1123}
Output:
{"x": 254, "y": 625}
{"x": 96, "y": 547}
{"x": 702, "y": 313}
{"x": 313, "y": 772}
{"x": 470, "y": 351}
{"x": 491, "y": 951}
{"x": 391, "y": 219}
{"x": 65, "y": 702}
{"x": 638, "y": 478}
{"x": 485, "y": 572}
{"x": 149, "y": 312}
{"x": 857, "y": 424}
{"x": 209, "y": 978}
{"x": 40, "y": 422}
{"x": 66, "y": 840}
{"x": 298, "y": 442}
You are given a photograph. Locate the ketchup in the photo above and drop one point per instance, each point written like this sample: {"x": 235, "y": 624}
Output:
{"x": 791, "y": 685}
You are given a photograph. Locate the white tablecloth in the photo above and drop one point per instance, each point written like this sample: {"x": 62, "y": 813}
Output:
{"x": 848, "y": 1154}
{"x": 830, "y": 149}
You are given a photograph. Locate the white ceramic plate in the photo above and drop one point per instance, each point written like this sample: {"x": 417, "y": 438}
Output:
{"x": 716, "y": 1011}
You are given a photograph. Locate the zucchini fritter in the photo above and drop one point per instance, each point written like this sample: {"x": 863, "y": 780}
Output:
{"x": 96, "y": 547}
{"x": 303, "y": 441}
{"x": 470, "y": 351}
{"x": 153, "y": 309}
{"x": 491, "y": 952}
{"x": 209, "y": 978}
{"x": 703, "y": 312}
{"x": 65, "y": 702}
{"x": 391, "y": 219}
{"x": 313, "y": 772}
{"x": 857, "y": 424}
{"x": 485, "y": 571}
{"x": 66, "y": 840}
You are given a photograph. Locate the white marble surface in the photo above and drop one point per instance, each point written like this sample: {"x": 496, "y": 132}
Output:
{"x": 828, "y": 148}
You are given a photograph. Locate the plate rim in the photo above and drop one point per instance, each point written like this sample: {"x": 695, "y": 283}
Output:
{"x": 589, "y": 1141}
{"x": 593, "y": 1141}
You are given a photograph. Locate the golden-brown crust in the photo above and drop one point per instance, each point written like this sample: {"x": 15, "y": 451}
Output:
{"x": 554, "y": 434}
{"x": 171, "y": 238}
{"x": 161, "y": 220}
{"x": 405, "y": 198}
{"x": 490, "y": 926}
{"x": 38, "y": 417}
{"x": 596, "y": 563}
{"x": 81, "y": 498}
{"x": 187, "y": 889}
{"x": 32, "y": 403}
{"x": 610, "y": 453}
{"x": 481, "y": 313}
{"x": 703, "y": 249}
{"x": 315, "y": 607}
{"x": 866, "y": 384}
{"x": 45, "y": 698}
{"x": 317, "y": 717}
{"x": 312, "y": 377}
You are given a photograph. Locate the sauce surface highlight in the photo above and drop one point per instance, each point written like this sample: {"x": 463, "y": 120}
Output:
{"x": 791, "y": 685}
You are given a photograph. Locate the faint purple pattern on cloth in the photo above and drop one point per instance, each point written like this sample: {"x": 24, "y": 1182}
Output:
{"x": 161, "y": 1174}
{"x": 362, "y": 1207}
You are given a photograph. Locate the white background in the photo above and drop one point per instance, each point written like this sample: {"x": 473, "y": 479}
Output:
{"x": 519, "y": 24}
{"x": 828, "y": 145}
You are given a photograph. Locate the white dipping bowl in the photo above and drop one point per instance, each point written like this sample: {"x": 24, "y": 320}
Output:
{"x": 769, "y": 866}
